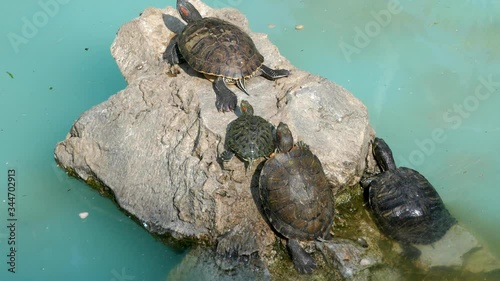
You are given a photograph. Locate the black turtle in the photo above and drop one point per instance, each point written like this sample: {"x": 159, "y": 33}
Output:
{"x": 221, "y": 51}
{"x": 249, "y": 136}
{"x": 405, "y": 205}
{"x": 296, "y": 197}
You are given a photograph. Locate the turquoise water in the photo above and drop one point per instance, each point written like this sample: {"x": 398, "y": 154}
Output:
{"x": 420, "y": 68}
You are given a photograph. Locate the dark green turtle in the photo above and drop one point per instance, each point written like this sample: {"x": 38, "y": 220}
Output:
{"x": 249, "y": 136}
{"x": 221, "y": 51}
{"x": 405, "y": 204}
{"x": 296, "y": 197}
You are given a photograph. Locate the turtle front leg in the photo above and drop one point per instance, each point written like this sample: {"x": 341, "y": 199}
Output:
{"x": 303, "y": 262}
{"x": 366, "y": 180}
{"x": 273, "y": 74}
{"x": 227, "y": 155}
{"x": 172, "y": 54}
{"x": 226, "y": 100}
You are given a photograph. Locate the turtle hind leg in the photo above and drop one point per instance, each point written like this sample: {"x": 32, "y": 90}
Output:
{"x": 226, "y": 100}
{"x": 302, "y": 261}
{"x": 273, "y": 74}
{"x": 409, "y": 251}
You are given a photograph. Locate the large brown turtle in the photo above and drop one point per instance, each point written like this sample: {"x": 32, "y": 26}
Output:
{"x": 405, "y": 205}
{"x": 221, "y": 51}
{"x": 296, "y": 197}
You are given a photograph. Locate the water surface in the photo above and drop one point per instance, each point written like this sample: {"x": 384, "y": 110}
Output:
{"x": 417, "y": 66}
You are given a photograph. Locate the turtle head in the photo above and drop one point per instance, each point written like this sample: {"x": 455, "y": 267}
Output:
{"x": 246, "y": 107}
{"x": 383, "y": 155}
{"x": 188, "y": 11}
{"x": 284, "y": 138}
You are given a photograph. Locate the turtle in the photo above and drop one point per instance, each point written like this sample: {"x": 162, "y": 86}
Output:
{"x": 220, "y": 50}
{"x": 405, "y": 205}
{"x": 296, "y": 197}
{"x": 249, "y": 136}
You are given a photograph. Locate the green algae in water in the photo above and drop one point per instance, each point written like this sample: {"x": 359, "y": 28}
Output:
{"x": 10, "y": 74}
{"x": 282, "y": 267}
{"x": 354, "y": 220}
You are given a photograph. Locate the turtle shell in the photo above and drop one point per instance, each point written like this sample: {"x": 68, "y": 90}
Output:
{"x": 250, "y": 137}
{"x": 407, "y": 207}
{"x": 216, "y": 47}
{"x": 296, "y": 196}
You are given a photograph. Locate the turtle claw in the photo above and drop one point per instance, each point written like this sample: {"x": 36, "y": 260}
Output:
{"x": 302, "y": 145}
{"x": 224, "y": 105}
{"x": 241, "y": 84}
{"x": 248, "y": 167}
{"x": 226, "y": 155}
{"x": 365, "y": 181}
{"x": 226, "y": 100}
{"x": 321, "y": 239}
{"x": 302, "y": 261}
{"x": 273, "y": 74}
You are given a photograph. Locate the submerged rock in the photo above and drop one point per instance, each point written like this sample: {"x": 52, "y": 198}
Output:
{"x": 458, "y": 249}
{"x": 201, "y": 264}
{"x": 350, "y": 258}
{"x": 450, "y": 250}
{"x": 237, "y": 246}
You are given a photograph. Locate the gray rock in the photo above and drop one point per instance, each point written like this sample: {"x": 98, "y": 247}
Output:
{"x": 155, "y": 145}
